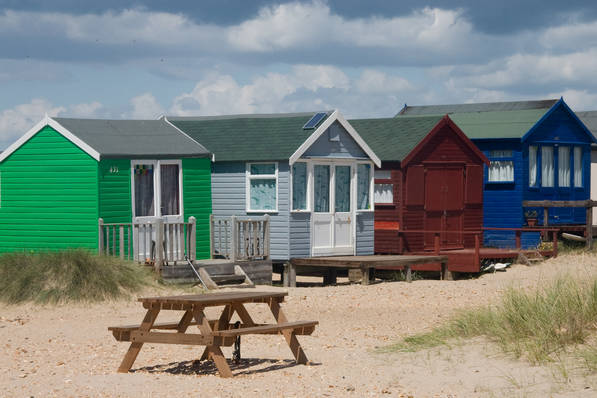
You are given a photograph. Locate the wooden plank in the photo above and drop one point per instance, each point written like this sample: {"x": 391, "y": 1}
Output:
{"x": 134, "y": 348}
{"x": 213, "y": 351}
{"x": 370, "y": 261}
{"x": 289, "y": 275}
{"x": 214, "y": 299}
{"x": 171, "y": 338}
{"x": 100, "y": 243}
{"x": 559, "y": 203}
{"x": 263, "y": 329}
{"x": 589, "y": 222}
{"x": 121, "y": 233}
{"x": 290, "y": 337}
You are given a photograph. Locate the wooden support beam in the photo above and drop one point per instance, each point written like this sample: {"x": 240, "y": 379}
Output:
{"x": 589, "y": 228}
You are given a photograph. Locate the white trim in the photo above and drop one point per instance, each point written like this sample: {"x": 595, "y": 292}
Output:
{"x": 371, "y": 188}
{"x": 164, "y": 118}
{"x": 335, "y": 116}
{"x": 48, "y": 121}
{"x": 249, "y": 177}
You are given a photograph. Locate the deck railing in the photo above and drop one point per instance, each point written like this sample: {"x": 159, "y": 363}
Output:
{"x": 240, "y": 238}
{"x": 155, "y": 242}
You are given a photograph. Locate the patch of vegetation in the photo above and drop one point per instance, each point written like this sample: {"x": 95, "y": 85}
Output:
{"x": 68, "y": 276}
{"x": 537, "y": 325}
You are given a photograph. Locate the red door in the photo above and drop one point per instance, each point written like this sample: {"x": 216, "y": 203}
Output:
{"x": 444, "y": 206}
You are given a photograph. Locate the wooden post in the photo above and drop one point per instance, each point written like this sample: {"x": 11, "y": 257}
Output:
{"x": 555, "y": 243}
{"x": 545, "y": 221}
{"x": 289, "y": 276}
{"x": 409, "y": 274}
{"x": 192, "y": 249}
{"x": 436, "y": 242}
{"x": 121, "y": 233}
{"x": 234, "y": 239}
{"x": 159, "y": 241}
{"x": 100, "y": 241}
{"x": 518, "y": 241}
{"x": 266, "y": 241}
{"x": 477, "y": 252}
{"x": 589, "y": 227}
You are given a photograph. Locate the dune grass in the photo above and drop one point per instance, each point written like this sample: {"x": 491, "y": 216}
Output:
{"x": 557, "y": 318}
{"x": 68, "y": 276}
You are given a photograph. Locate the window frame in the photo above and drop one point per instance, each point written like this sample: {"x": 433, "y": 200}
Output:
{"x": 157, "y": 188}
{"x": 308, "y": 203}
{"x": 371, "y": 187}
{"x": 500, "y": 159}
{"x": 249, "y": 177}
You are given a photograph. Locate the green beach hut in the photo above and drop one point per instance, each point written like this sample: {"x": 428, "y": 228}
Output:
{"x": 65, "y": 176}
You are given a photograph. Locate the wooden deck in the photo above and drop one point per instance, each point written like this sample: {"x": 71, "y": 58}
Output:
{"x": 363, "y": 264}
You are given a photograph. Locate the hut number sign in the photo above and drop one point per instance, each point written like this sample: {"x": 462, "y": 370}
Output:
{"x": 113, "y": 169}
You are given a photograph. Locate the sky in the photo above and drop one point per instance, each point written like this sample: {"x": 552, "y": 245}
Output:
{"x": 142, "y": 59}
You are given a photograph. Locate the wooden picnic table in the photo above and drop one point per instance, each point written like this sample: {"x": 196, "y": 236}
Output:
{"x": 213, "y": 334}
{"x": 364, "y": 263}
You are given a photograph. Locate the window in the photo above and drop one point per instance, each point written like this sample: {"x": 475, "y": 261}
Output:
{"x": 383, "y": 193}
{"x": 144, "y": 190}
{"x": 501, "y": 167}
{"x": 547, "y": 166}
{"x": 170, "y": 189}
{"x": 342, "y": 189}
{"x": 532, "y": 166}
{"x": 156, "y": 188}
{"x": 578, "y": 166}
{"x": 262, "y": 187}
{"x": 363, "y": 186}
{"x": 321, "y": 189}
{"x": 382, "y": 174}
{"x": 299, "y": 186}
{"x": 564, "y": 166}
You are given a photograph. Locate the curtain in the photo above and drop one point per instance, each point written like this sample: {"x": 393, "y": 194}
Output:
{"x": 263, "y": 194}
{"x": 321, "y": 188}
{"x": 384, "y": 193}
{"x": 501, "y": 171}
{"x": 577, "y": 166}
{"x": 532, "y": 166}
{"x": 170, "y": 190}
{"x": 547, "y": 166}
{"x": 342, "y": 189}
{"x": 299, "y": 186}
{"x": 363, "y": 179}
{"x": 564, "y": 166}
{"x": 144, "y": 204}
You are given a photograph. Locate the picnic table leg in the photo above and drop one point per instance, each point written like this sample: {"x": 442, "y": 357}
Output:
{"x": 213, "y": 351}
{"x": 134, "y": 348}
{"x": 289, "y": 335}
{"x": 222, "y": 324}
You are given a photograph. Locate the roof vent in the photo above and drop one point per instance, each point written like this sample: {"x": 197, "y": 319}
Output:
{"x": 314, "y": 121}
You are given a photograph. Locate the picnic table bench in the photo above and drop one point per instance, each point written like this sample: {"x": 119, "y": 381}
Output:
{"x": 213, "y": 333}
{"x": 366, "y": 264}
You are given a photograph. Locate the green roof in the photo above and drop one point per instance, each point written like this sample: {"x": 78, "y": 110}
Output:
{"x": 248, "y": 137}
{"x": 476, "y": 107}
{"x": 490, "y": 125}
{"x": 133, "y": 138}
{"x": 392, "y": 139}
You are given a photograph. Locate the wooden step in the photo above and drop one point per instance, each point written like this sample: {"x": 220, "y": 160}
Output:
{"x": 227, "y": 279}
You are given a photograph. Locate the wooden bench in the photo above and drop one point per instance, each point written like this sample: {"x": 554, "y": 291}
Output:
{"x": 304, "y": 328}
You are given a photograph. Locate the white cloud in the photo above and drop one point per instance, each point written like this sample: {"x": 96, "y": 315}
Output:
{"x": 578, "y": 100}
{"x": 373, "y": 81}
{"x": 88, "y": 110}
{"x": 145, "y": 106}
{"x": 17, "y": 121}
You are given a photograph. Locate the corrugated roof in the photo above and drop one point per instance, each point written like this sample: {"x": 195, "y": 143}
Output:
{"x": 392, "y": 139}
{"x": 476, "y": 107}
{"x": 248, "y": 137}
{"x": 490, "y": 125}
{"x": 589, "y": 118}
{"x": 133, "y": 138}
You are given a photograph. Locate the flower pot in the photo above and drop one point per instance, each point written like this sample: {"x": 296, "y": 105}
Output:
{"x": 531, "y": 222}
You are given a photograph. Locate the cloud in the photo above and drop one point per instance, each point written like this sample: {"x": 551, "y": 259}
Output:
{"x": 145, "y": 106}
{"x": 578, "y": 100}
{"x": 373, "y": 81}
{"x": 17, "y": 121}
{"x": 89, "y": 110}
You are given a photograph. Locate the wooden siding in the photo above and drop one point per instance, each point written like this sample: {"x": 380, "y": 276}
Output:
{"x": 196, "y": 192}
{"x": 300, "y": 230}
{"x": 115, "y": 190}
{"x": 335, "y": 142}
{"x": 229, "y": 198}
{"x": 386, "y": 239}
{"x": 49, "y": 196}
{"x": 365, "y": 233}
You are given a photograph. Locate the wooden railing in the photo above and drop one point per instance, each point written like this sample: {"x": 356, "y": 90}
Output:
{"x": 547, "y": 204}
{"x": 156, "y": 242}
{"x": 240, "y": 238}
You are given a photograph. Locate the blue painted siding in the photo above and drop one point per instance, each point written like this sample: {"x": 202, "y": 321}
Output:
{"x": 335, "y": 142}
{"x": 229, "y": 198}
{"x": 300, "y": 232}
{"x": 365, "y": 232}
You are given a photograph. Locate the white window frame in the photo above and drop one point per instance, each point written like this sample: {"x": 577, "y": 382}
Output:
{"x": 493, "y": 158}
{"x": 308, "y": 202}
{"x": 371, "y": 187}
{"x": 157, "y": 188}
{"x": 249, "y": 177}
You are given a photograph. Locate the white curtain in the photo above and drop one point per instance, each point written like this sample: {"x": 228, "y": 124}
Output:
{"x": 263, "y": 194}
{"x": 384, "y": 193}
{"x": 577, "y": 166}
{"x": 564, "y": 166}
{"x": 532, "y": 166}
{"x": 363, "y": 180}
{"x": 501, "y": 170}
{"x": 342, "y": 189}
{"x": 170, "y": 189}
{"x": 299, "y": 186}
{"x": 547, "y": 166}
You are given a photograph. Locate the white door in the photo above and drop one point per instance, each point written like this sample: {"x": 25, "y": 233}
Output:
{"x": 332, "y": 228}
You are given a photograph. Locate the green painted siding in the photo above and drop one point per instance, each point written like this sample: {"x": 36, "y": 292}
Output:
{"x": 115, "y": 195}
{"x": 49, "y": 196}
{"x": 196, "y": 177}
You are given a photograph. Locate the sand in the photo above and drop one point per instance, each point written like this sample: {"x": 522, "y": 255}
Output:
{"x": 67, "y": 350}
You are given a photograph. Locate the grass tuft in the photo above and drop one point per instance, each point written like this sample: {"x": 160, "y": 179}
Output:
{"x": 538, "y": 325}
{"x": 67, "y": 276}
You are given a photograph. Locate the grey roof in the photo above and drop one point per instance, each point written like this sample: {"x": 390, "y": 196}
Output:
{"x": 477, "y": 107}
{"x": 134, "y": 138}
{"x": 249, "y": 137}
{"x": 589, "y": 118}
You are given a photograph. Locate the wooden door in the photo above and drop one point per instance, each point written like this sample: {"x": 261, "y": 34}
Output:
{"x": 444, "y": 206}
